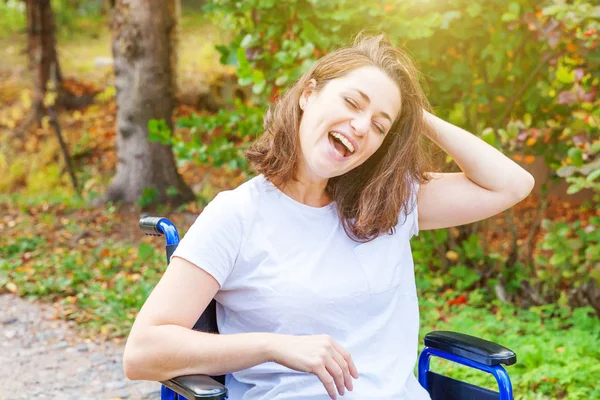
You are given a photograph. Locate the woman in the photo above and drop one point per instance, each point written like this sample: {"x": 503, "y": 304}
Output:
{"x": 310, "y": 261}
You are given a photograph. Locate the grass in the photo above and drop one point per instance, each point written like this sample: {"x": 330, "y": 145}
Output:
{"x": 557, "y": 348}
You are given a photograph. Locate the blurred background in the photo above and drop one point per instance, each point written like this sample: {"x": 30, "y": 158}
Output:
{"x": 182, "y": 86}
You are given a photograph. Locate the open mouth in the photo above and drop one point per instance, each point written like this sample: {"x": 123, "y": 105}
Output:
{"x": 341, "y": 145}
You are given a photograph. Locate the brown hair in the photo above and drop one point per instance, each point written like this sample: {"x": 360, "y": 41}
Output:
{"x": 371, "y": 196}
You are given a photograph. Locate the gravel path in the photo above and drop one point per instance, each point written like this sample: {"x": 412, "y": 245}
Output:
{"x": 43, "y": 358}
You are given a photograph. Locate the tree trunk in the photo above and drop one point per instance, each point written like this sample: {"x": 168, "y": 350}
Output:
{"x": 143, "y": 46}
{"x": 41, "y": 50}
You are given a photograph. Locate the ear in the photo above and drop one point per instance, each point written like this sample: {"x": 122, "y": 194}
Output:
{"x": 306, "y": 93}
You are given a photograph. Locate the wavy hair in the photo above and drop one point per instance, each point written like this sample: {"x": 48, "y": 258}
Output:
{"x": 371, "y": 197}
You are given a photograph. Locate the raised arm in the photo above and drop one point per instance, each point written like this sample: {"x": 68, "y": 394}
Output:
{"x": 489, "y": 182}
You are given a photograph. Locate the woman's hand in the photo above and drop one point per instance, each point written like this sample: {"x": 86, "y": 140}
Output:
{"x": 319, "y": 355}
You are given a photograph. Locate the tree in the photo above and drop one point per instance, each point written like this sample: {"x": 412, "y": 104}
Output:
{"x": 43, "y": 60}
{"x": 143, "y": 45}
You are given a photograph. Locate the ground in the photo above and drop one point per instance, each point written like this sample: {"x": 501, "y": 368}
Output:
{"x": 43, "y": 357}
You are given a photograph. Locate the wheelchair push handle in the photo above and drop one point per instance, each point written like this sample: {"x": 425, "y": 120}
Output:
{"x": 158, "y": 226}
{"x": 149, "y": 225}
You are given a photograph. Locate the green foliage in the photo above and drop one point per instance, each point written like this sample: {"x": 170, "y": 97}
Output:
{"x": 101, "y": 288}
{"x": 569, "y": 256}
{"x": 158, "y": 131}
{"x": 148, "y": 197}
{"x": 77, "y": 16}
{"x": 465, "y": 268}
{"x": 557, "y": 352}
{"x": 221, "y": 139}
{"x": 469, "y": 53}
{"x": 12, "y": 16}
{"x": 70, "y": 16}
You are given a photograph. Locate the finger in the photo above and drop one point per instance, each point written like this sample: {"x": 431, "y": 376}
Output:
{"x": 327, "y": 381}
{"x": 346, "y": 354}
{"x": 339, "y": 359}
{"x": 338, "y": 375}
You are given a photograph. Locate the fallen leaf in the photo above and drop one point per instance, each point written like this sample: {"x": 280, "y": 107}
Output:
{"x": 458, "y": 300}
{"x": 452, "y": 255}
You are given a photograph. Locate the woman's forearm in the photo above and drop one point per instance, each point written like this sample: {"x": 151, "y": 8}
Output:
{"x": 167, "y": 351}
{"x": 480, "y": 162}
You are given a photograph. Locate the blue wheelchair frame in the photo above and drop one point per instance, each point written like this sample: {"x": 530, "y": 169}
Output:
{"x": 463, "y": 349}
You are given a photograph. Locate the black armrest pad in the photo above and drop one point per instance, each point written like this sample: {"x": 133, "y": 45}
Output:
{"x": 197, "y": 387}
{"x": 470, "y": 347}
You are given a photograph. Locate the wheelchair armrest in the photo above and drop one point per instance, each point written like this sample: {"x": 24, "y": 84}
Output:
{"x": 471, "y": 348}
{"x": 197, "y": 387}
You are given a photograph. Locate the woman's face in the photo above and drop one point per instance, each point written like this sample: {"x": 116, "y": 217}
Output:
{"x": 345, "y": 122}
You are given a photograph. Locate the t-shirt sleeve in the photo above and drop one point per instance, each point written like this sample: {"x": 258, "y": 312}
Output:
{"x": 214, "y": 239}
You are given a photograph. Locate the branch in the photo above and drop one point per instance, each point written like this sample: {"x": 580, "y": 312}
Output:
{"x": 539, "y": 212}
{"x": 512, "y": 256}
{"x": 56, "y": 125}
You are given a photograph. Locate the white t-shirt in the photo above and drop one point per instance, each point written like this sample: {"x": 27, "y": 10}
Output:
{"x": 285, "y": 267}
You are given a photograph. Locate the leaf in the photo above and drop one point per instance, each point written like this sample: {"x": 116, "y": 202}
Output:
{"x": 448, "y": 17}
{"x": 282, "y": 80}
{"x": 11, "y": 287}
{"x": 311, "y": 34}
{"x": 593, "y": 176}
{"x": 564, "y": 75}
{"x": 489, "y": 136}
{"x": 474, "y": 9}
{"x": 259, "y": 87}
{"x": 576, "y": 156}
{"x": 575, "y": 244}
{"x": 458, "y": 300}
{"x": 245, "y": 81}
{"x": 574, "y": 189}
{"x": 246, "y": 41}
{"x": 507, "y": 17}
{"x": 566, "y": 171}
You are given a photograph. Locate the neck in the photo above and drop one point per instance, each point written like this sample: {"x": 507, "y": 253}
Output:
{"x": 307, "y": 190}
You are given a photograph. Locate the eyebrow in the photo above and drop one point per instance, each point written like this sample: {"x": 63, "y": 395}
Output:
{"x": 368, "y": 100}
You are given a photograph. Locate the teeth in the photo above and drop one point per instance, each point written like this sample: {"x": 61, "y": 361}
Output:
{"x": 344, "y": 141}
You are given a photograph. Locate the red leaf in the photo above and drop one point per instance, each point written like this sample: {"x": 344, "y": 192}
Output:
{"x": 458, "y": 300}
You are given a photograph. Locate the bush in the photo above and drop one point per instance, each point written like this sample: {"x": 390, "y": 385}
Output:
{"x": 469, "y": 53}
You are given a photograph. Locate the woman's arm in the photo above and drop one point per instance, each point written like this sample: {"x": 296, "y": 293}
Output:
{"x": 162, "y": 344}
{"x": 489, "y": 184}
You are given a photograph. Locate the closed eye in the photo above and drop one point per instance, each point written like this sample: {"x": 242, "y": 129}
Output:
{"x": 351, "y": 103}
{"x": 355, "y": 106}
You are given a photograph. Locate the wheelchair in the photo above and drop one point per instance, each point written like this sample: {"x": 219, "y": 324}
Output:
{"x": 467, "y": 350}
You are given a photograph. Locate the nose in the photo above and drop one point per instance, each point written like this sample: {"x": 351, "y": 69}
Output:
{"x": 361, "y": 124}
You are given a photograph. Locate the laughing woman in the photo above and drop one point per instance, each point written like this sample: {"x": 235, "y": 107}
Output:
{"x": 310, "y": 261}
